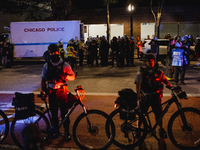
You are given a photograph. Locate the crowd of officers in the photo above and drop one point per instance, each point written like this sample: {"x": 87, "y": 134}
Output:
{"x": 120, "y": 50}
{"x": 178, "y": 53}
{"x": 6, "y": 54}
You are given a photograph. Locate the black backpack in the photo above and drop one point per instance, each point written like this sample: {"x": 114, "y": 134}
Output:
{"x": 128, "y": 101}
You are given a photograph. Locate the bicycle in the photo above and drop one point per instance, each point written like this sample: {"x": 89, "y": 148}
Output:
{"x": 183, "y": 126}
{"x": 88, "y": 129}
{"x": 4, "y": 126}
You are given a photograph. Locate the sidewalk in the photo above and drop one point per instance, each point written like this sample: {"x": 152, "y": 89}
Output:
{"x": 104, "y": 103}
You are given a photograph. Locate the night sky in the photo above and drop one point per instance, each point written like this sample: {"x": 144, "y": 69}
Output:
{"x": 123, "y": 3}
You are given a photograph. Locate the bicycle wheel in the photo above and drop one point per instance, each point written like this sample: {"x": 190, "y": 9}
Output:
{"x": 127, "y": 133}
{"x": 185, "y": 137}
{"x": 4, "y": 126}
{"x": 95, "y": 137}
{"x": 18, "y": 125}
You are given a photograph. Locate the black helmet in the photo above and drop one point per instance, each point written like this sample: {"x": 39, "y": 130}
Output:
{"x": 53, "y": 48}
{"x": 147, "y": 57}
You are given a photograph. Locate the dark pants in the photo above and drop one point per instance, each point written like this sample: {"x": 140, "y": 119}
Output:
{"x": 132, "y": 56}
{"x": 169, "y": 68}
{"x": 53, "y": 105}
{"x": 115, "y": 57}
{"x": 94, "y": 57}
{"x": 155, "y": 102}
{"x": 80, "y": 57}
{"x": 127, "y": 55}
{"x": 72, "y": 61}
{"x": 179, "y": 70}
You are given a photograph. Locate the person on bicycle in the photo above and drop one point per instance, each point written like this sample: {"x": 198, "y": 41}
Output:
{"x": 54, "y": 76}
{"x": 149, "y": 81}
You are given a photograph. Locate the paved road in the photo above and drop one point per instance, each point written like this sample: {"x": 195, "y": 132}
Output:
{"x": 101, "y": 85}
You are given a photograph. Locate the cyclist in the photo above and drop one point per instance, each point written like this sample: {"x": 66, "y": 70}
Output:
{"x": 150, "y": 80}
{"x": 55, "y": 74}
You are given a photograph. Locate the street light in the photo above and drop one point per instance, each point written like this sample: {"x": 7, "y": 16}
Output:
{"x": 131, "y": 8}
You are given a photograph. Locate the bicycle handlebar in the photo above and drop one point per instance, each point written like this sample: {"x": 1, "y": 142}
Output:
{"x": 177, "y": 91}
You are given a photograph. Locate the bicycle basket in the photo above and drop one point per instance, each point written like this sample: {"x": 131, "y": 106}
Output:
{"x": 24, "y": 105}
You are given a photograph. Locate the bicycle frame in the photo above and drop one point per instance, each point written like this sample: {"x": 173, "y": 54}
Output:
{"x": 174, "y": 99}
{"x": 80, "y": 96}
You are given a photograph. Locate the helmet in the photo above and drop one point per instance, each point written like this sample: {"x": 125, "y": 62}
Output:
{"x": 182, "y": 39}
{"x": 94, "y": 39}
{"x": 60, "y": 43}
{"x": 148, "y": 56}
{"x": 53, "y": 48}
{"x": 155, "y": 38}
{"x": 177, "y": 44}
{"x": 132, "y": 38}
{"x": 103, "y": 37}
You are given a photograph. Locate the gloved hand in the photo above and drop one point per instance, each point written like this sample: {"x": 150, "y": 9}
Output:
{"x": 63, "y": 76}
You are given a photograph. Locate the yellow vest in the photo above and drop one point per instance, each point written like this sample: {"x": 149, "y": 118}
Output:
{"x": 60, "y": 49}
{"x": 70, "y": 51}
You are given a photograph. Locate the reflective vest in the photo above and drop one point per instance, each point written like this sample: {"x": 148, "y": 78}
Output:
{"x": 62, "y": 53}
{"x": 54, "y": 72}
{"x": 177, "y": 57}
{"x": 70, "y": 52}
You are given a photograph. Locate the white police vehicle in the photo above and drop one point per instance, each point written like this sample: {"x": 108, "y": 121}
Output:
{"x": 163, "y": 43}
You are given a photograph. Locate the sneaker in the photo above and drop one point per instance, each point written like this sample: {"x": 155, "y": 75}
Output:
{"x": 67, "y": 137}
{"x": 183, "y": 83}
{"x": 162, "y": 133}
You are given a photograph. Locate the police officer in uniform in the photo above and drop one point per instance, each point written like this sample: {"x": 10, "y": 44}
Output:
{"x": 179, "y": 62}
{"x": 61, "y": 50}
{"x": 92, "y": 48}
{"x": 132, "y": 46}
{"x": 54, "y": 76}
{"x": 149, "y": 81}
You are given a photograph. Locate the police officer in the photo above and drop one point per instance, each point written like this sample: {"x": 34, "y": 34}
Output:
{"x": 115, "y": 51}
{"x": 150, "y": 81}
{"x": 71, "y": 54}
{"x": 92, "y": 48}
{"x": 81, "y": 50}
{"x": 132, "y": 46}
{"x": 179, "y": 62}
{"x": 127, "y": 49}
{"x": 104, "y": 49}
{"x": 169, "y": 67}
{"x": 54, "y": 76}
{"x": 61, "y": 50}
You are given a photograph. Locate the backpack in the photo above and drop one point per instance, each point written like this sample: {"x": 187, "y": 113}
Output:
{"x": 128, "y": 101}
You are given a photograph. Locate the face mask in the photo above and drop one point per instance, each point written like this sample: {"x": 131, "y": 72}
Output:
{"x": 55, "y": 58}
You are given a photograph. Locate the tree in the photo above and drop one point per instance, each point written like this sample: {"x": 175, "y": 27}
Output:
{"x": 157, "y": 15}
{"x": 107, "y": 3}
{"x": 156, "y": 9}
{"x": 59, "y": 9}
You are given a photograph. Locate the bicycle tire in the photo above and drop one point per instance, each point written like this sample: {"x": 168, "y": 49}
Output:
{"x": 122, "y": 127}
{"x": 182, "y": 137}
{"x": 97, "y": 140}
{"x": 18, "y": 125}
{"x": 4, "y": 126}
